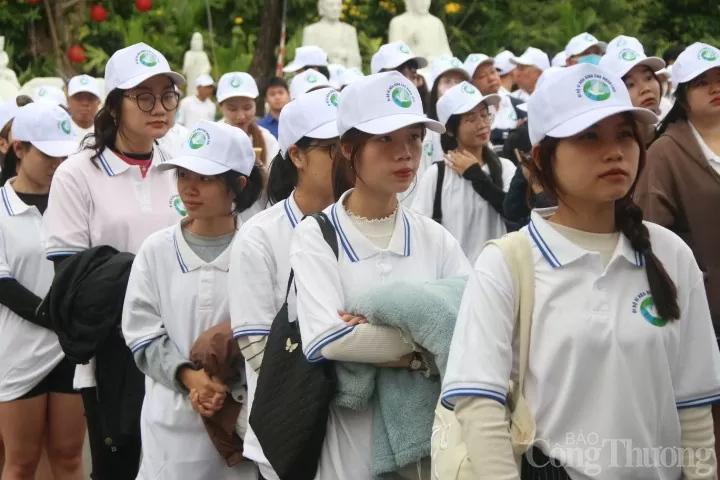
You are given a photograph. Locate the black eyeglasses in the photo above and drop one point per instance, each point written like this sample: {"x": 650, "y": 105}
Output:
{"x": 331, "y": 147}
{"x": 146, "y": 101}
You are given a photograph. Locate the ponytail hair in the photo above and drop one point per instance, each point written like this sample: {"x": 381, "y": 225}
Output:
{"x": 283, "y": 176}
{"x": 11, "y": 161}
{"x": 490, "y": 158}
{"x": 247, "y": 196}
{"x": 679, "y": 110}
{"x": 628, "y": 220}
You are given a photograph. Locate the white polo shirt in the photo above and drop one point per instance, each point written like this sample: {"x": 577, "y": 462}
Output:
{"x": 28, "y": 353}
{"x": 601, "y": 362}
{"x": 174, "y": 292}
{"x": 259, "y": 273}
{"x": 466, "y": 215}
{"x": 192, "y": 110}
{"x": 419, "y": 250}
{"x": 107, "y": 202}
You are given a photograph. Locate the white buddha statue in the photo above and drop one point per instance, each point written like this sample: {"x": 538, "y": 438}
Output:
{"x": 424, "y": 33}
{"x": 5, "y": 73}
{"x": 337, "y": 38}
{"x": 196, "y": 62}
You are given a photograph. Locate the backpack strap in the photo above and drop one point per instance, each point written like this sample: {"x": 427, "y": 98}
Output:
{"x": 328, "y": 233}
{"x": 517, "y": 250}
{"x": 437, "y": 204}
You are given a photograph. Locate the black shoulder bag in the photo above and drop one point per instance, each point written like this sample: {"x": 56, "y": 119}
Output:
{"x": 437, "y": 205}
{"x": 292, "y": 399}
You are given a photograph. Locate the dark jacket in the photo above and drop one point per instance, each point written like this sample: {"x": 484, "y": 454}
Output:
{"x": 516, "y": 209}
{"x": 84, "y": 307}
{"x": 680, "y": 190}
{"x": 497, "y": 135}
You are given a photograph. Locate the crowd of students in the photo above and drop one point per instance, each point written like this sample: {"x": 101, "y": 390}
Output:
{"x": 153, "y": 249}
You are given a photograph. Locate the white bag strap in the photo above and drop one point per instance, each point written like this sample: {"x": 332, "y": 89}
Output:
{"x": 517, "y": 250}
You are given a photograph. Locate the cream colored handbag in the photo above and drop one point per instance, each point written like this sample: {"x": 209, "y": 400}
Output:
{"x": 450, "y": 460}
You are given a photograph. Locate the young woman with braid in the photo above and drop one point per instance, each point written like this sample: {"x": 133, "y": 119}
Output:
{"x": 621, "y": 348}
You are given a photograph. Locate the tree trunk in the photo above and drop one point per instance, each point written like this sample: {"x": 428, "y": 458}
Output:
{"x": 264, "y": 62}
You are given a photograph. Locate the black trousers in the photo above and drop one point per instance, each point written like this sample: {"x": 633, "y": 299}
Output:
{"x": 541, "y": 468}
{"x": 108, "y": 463}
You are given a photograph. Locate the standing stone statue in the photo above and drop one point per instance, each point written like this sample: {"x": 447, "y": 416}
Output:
{"x": 196, "y": 62}
{"x": 337, "y": 38}
{"x": 5, "y": 73}
{"x": 424, "y": 33}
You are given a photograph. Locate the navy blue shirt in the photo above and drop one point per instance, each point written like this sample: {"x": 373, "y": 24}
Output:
{"x": 270, "y": 124}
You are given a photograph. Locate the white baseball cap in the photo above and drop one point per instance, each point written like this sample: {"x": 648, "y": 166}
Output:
{"x": 544, "y": 76}
{"x": 51, "y": 95}
{"x": 474, "y": 60}
{"x": 625, "y": 53}
{"x": 306, "y": 81}
{"x": 695, "y": 60}
{"x": 559, "y": 60}
{"x": 313, "y": 115}
{"x": 443, "y": 65}
{"x": 204, "y": 80}
{"x": 461, "y": 99}
{"x": 236, "y": 84}
{"x": 349, "y": 76}
{"x": 577, "y": 97}
{"x": 382, "y": 103}
{"x": 8, "y": 110}
{"x": 533, "y": 57}
{"x": 310, "y": 56}
{"x": 579, "y": 43}
{"x": 130, "y": 66}
{"x": 213, "y": 148}
{"x": 391, "y": 55}
{"x": 336, "y": 70}
{"x": 47, "y": 127}
{"x": 503, "y": 63}
{"x": 83, "y": 83}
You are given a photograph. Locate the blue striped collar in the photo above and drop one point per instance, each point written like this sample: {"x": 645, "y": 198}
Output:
{"x": 358, "y": 247}
{"x": 559, "y": 251}
{"x": 188, "y": 260}
{"x": 11, "y": 202}
{"x": 113, "y": 165}
{"x": 293, "y": 213}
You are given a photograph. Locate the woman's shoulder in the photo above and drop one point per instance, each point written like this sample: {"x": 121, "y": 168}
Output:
{"x": 161, "y": 241}
{"x": 82, "y": 161}
{"x": 665, "y": 240}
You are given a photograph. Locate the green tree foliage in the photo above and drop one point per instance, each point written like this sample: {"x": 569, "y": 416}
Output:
{"x": 486, "y": 26}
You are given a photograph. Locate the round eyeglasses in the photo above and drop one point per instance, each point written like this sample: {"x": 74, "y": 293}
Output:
{"x": 146, "y": 101}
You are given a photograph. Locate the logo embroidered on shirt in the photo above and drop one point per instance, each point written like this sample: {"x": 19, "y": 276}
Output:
{"x": 289, "y": 346}
{"x": 645, "y": 305}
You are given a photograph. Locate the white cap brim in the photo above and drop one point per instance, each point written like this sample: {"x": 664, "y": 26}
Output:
{"x": 383, "y": 125}
{"x": 653, "y": 63}
{"x": 199, "y": 165}
{"x": 293, "y": 67}
{"x": 421, "y": 62}
{"x": 491, "y": 100}
{"x": 523, "y": 62}
{"x": 602, "y": 45}
{"x": 75, "y": 91}
{"x": 323, "y": 132}
{"x": 58, "y": 148}
{"x": 236, "y": 94}
{"x": 588, "y": 119}
{"x": 676, "y": 79}
{"x": 133, "y": 82}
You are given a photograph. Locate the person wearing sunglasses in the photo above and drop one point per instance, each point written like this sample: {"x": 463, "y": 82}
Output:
{"x": 112, "y": 193}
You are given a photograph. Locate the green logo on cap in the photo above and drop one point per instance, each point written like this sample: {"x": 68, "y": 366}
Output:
{"x": 589, "y": 37}
{"x": 429, "y": 149}
{"x": 597, "y": 90}
{"x": 310, "y": 78}
{"x": 65, "y": 127}
{"x": 455, "y": 63}
{"x": 401, "y": 97}
{"x": 708, "y": 54}
{"x": 334, "y": 99}
{"x": 42, "y": 92}
{"x": 622, "y": 42}
{"x": 236, "y": 82}
{"x": 84, "y": 80}
{"x": 628, "y": 55}
{"x": 148, "y": 59}
{"x": 404, "y": 49}
{"x": 198, "y": 139}
{"x": 467, "y": 88}
{"x": 474, "y": 58}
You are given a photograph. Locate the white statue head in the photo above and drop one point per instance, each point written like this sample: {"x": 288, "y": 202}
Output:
{"x": 196, "y": 42}
{"x": 418, "y": 7}
{"x": 330, "y": 9}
